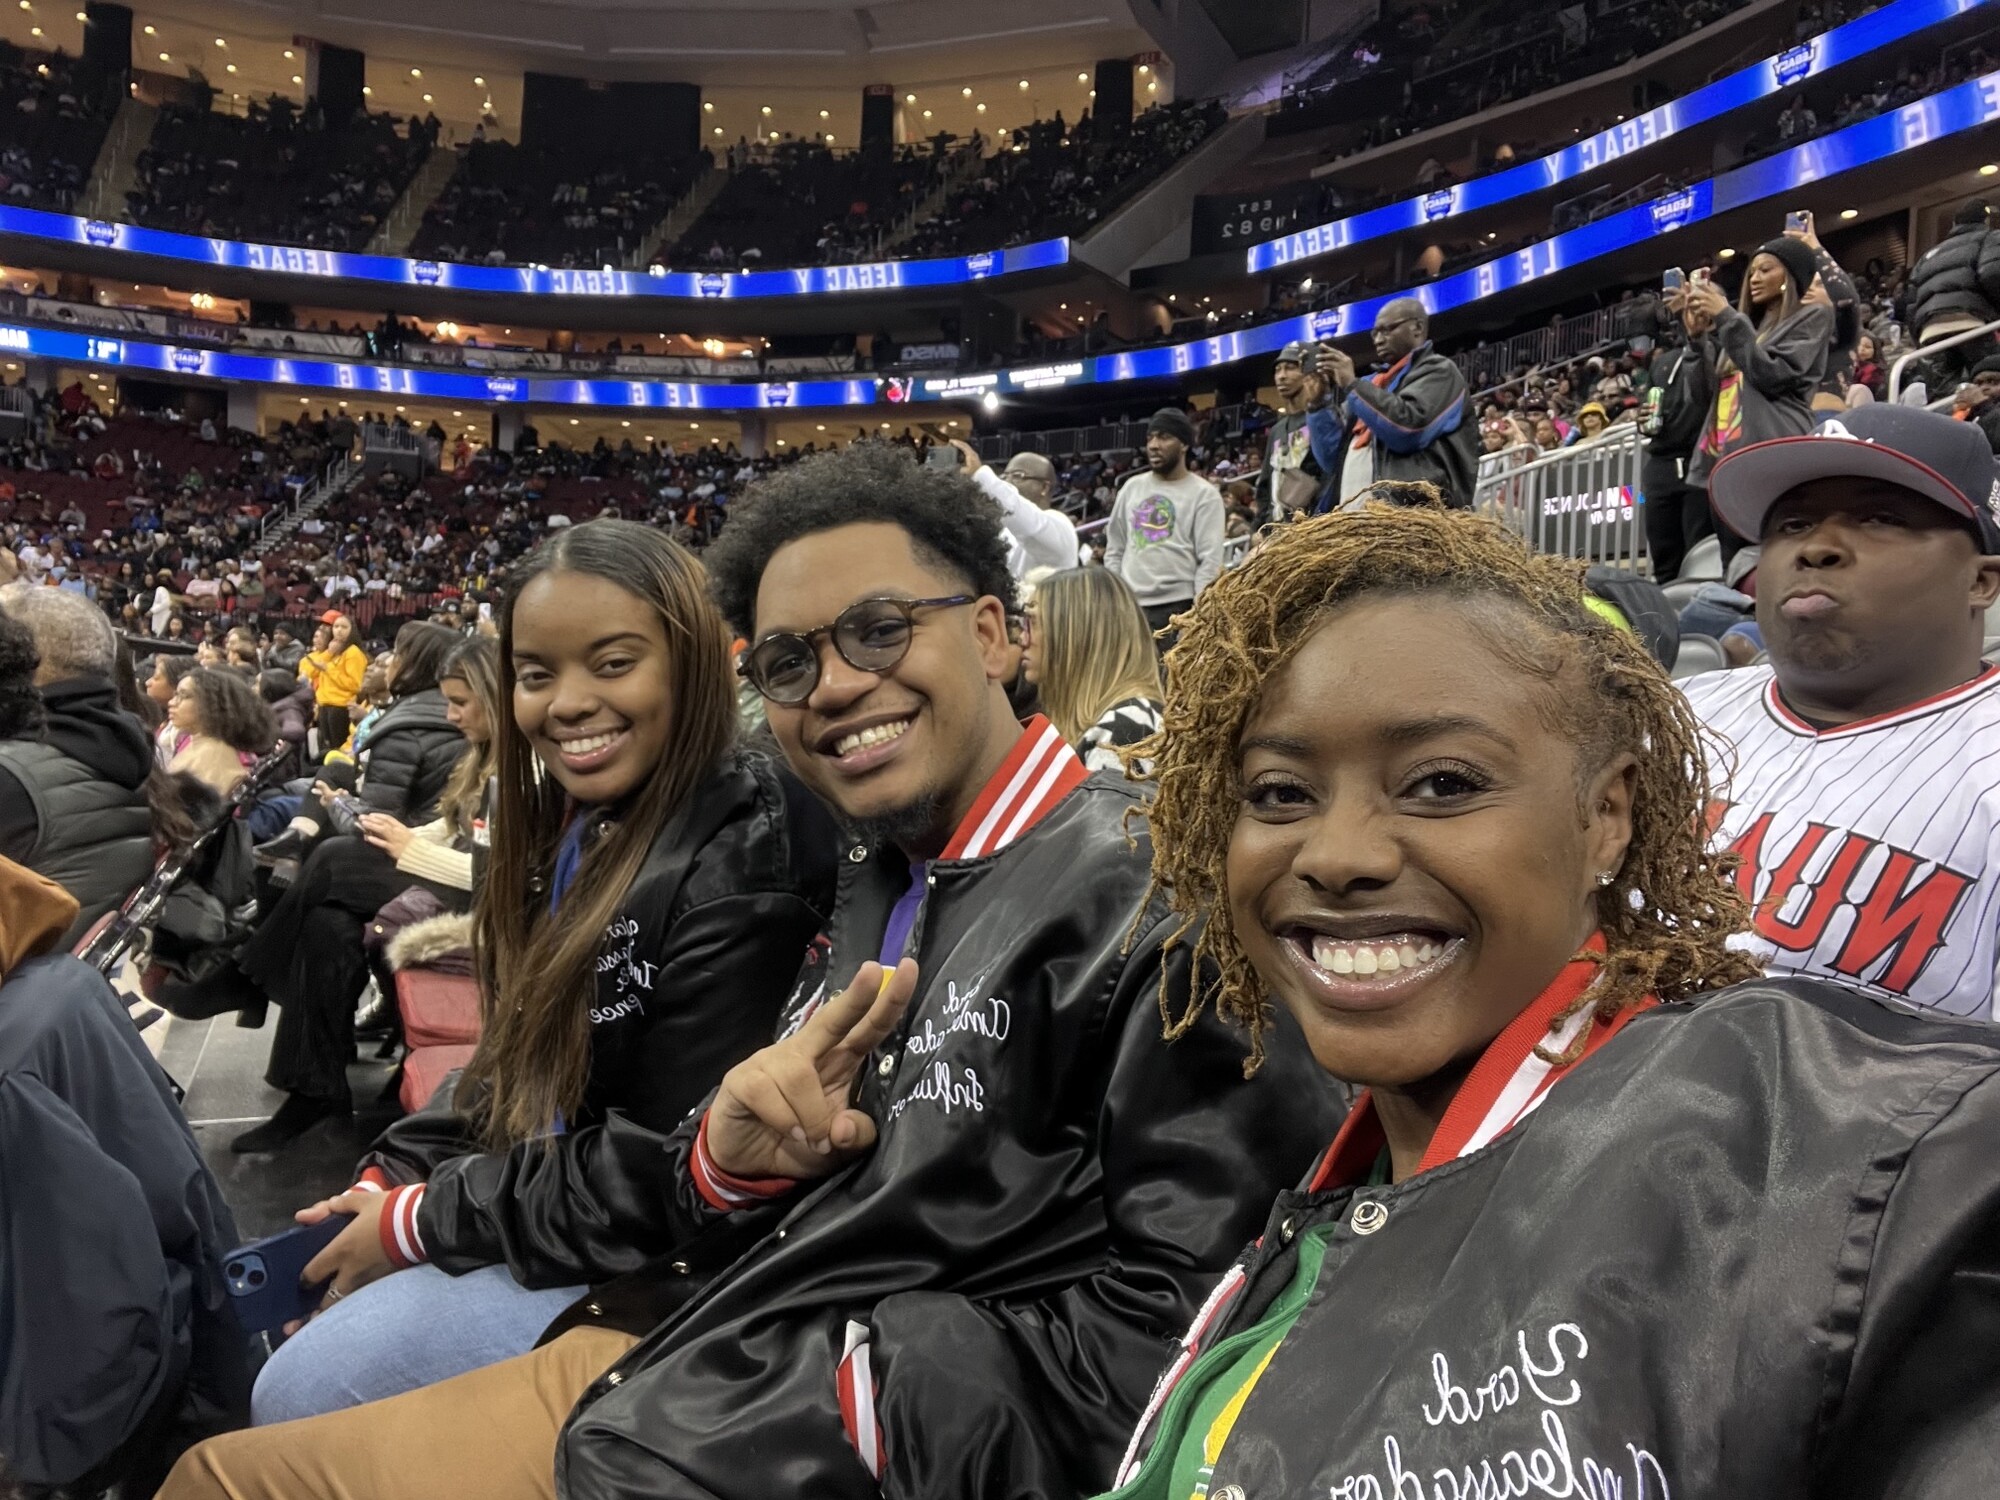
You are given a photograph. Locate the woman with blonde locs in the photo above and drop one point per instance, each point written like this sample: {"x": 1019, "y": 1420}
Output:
{"x": 1604, "y": 1211}
{"x": 651, "y": 891}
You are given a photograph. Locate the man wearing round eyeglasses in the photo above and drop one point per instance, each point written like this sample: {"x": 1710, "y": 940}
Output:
{"x": 1412, "y": 419}
{"x": 935, "y": 1237}
{"x": 1038, "y": 536}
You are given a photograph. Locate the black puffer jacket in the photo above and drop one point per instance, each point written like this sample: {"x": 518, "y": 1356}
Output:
{"x": 1958, "y": 277}
{"x": 407, "y": 757}
{"x": 1053, "y": 1189}
{"x": 694, "y": 971}
{"x": 1748, "y": 1247}
{"x": 73, "y": 802}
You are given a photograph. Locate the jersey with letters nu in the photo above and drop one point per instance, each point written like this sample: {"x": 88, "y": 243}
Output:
{"x": 1871, "y": 851}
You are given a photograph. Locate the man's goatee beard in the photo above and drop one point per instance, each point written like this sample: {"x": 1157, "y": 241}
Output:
{"x": 900, "y": 826}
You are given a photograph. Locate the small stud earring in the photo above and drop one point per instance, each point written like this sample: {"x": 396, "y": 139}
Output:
{"x": 1606, "y": 877}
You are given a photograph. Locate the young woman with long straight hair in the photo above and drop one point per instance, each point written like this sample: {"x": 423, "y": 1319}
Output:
{"x": 1090, "y": 654}
{"x": 1760, "y": 361}
{"x": 652, "y": 889}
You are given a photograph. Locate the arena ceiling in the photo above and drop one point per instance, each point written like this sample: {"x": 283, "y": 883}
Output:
{"x": 901, "y": 42}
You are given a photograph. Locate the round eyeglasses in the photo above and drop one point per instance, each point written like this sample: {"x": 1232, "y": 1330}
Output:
{"x": 871, "y": 635}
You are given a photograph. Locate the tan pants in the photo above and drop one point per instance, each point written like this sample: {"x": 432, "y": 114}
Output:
{"x": 490, "y": 1435}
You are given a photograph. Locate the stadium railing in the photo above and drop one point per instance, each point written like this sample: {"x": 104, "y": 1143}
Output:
{"x": 1582, "y": 501}
{"x": 1936, "y": 346}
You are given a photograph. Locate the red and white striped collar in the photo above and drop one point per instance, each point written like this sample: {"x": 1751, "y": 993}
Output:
{"x": 1038, "y": 773}
{"x": 1506, "y": 1085}
{"x": 1970, "y": 688}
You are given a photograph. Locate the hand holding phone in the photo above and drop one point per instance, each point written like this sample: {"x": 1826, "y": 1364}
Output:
{"x": 942, "y": 456}
{"x": 1799, "y": 222}
{"x": 263, "y": 1276}
{"x": 1672, "y": 280}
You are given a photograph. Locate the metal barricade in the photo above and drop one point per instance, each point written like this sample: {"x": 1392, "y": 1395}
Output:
{"x": 1938, "y": 346}
{"x": 1584, "y": 501}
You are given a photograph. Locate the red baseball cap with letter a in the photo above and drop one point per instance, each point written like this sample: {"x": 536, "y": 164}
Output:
{"x": 1924, "y": 452}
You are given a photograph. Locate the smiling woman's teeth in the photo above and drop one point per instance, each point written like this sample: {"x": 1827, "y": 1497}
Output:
{"x": 874, "y": 735}
{"x": 590, "y": 746}
{"x": 1380, "y": 956}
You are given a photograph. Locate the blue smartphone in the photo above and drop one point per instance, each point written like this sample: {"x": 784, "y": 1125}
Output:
{"x": 263, "y": 1276}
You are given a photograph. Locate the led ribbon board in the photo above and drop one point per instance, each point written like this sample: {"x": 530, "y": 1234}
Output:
{"x": 1761, "y": 80}
{"x": 1969, "y": 106}
{"x": 533, "y": 281}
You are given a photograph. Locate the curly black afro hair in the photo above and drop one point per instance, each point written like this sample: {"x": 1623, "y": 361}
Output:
{"x": 950, "y": 524}
{"x": 20, "y": 699}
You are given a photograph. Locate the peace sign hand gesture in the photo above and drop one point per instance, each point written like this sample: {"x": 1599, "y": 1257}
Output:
{"x": 783, "y": 1112}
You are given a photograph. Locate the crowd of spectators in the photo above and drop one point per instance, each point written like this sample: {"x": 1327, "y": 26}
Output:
{"x": 801, "y": 202}
{"x": 54, "y": 112}
{"x": 1456, "y": 60}
{"x": 1051, "y": 178}
{"x": 279, "y": 173}
{"x": 153, "y": 518}
{"x": 511, "y": 204}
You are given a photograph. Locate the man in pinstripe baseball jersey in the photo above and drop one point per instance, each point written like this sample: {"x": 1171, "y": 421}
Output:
{"x": 1861, "y": 768}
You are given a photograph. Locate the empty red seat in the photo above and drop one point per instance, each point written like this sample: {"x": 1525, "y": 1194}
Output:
{"x": 439, "y": 1010}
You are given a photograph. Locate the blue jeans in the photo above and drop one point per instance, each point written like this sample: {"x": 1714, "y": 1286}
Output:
{"x": 407, "y": 1330}
{"x": 272, "y": 816}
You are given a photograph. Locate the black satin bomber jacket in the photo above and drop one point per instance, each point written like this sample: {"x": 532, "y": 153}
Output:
{"x": 1054, "y": 1189}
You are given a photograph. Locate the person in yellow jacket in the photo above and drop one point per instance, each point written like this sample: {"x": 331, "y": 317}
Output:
{"x": 335, "y": 674}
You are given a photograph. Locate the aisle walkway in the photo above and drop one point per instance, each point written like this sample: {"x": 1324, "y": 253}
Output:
{"x": 221, "y": 1065}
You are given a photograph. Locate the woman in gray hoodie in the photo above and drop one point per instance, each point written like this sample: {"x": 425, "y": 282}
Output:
{"x": 1760, "y": 361}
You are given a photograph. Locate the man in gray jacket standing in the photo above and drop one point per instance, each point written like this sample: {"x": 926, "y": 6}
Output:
{"x": 1165, "y": 533}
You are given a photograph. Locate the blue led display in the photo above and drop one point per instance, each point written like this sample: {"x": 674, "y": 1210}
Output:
{"x": 1761, "y": 80}
{"x": 453, "y": 276}
{"x": 1968, "y": 106}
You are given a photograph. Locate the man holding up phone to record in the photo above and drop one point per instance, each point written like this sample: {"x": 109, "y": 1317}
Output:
{"x": 1037, "y": 534}
{"x": 1411, "y": 420}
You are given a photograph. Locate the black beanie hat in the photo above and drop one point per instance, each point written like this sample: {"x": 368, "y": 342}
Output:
{"x": 1173, "y": 422}
{"x": 1797, "y": 259}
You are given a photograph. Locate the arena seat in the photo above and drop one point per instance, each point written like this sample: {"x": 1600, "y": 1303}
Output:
{"x": 440, "y": 1026}
{"x": 438, "y": 1009}
{"x": 1703, "y": 563}
{"x": 425, "y": 1072}
{"x": 1699, "y": 653}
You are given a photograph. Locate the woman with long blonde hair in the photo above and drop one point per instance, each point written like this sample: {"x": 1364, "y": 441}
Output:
{"x": 1090, "y": 654}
